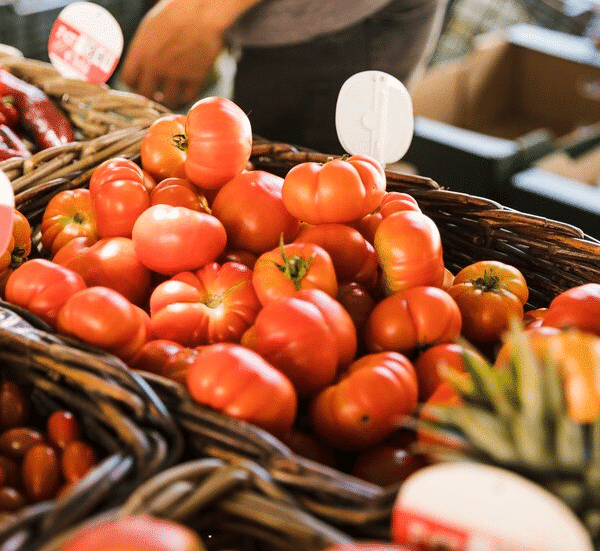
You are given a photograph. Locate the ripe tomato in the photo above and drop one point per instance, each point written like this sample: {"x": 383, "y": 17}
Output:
{"x": 214, "y": 304}
{"x": 368, "y": 403}
{"x": 340, "y": 190}
{"x": 134, "y": 533}
{"x": 238, "y": 382}
{"x": 67, "y": 215}
{"x": 306, "y": 445}
{"x": 411, "y": 319}
{"x": 170, "y": 239}
{"x": 109, "y": 262}
{"x": 17, "y": 250}
{"x": 219, "y": 142}
{"x": 250, "y": 206}
{"x": 289, "y": 268}
{"x": 104, "y": 318}
{"x": 119, "y": 196}
{"x": 489, "y": 294}
{"x": 352, "y": 255}
{"x": 576, "y": 307}
{"x": 308, "y": 336}
{"x": 162, "y": 150}
{"x": 42, "y": 287}
{"x": 409, "y": 250}
{"x": 179, "y": 192}
{"x": 359, "y": 304}
{"x": 393, "y": 201}
{"x": 62, "y": 428}
{"x": 166, "y": 358}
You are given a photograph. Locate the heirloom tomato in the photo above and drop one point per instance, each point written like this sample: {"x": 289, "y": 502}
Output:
{"x": 134, "y": 533}
{"x": 489, "y": 294}
{"x": 214, "y": 304}
{"x": 67, "y": 215}
{"x": 162, "y": 151}
{"x": 166, "y": 358}
{"x": 42, "y": 287}
{"x": 119, "y": 196}
{"x": 352, "y": 255}
{"x": 109, "y": 262}
{"x": 340, "y": 190}
{"x": 409, "y": 250}
{"x": 289, "y": 268}
{"x": 18, "y": 248}
{"x": 308, "y": 336}
{"x": 393, "y": 201}
{"x": 238, "y": 382}
{"x": 250, "y": 206}
{"x": 170, "y": 239}
{"x": 368, "y": 403}
{"x": 219, "y": 142}
{"x": 412, "y": 319}
{"x": 576, "y": 307}
{"x": 179, "y": 192}
{"x": 104, "y": 318}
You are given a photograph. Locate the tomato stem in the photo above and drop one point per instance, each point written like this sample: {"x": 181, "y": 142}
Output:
{"x": 294, "y": 267}
{"x": 180, "y": 141}
{"x": 488, "y": 282}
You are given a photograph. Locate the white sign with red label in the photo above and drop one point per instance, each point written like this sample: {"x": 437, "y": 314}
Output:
{"x": 85, "y": 42}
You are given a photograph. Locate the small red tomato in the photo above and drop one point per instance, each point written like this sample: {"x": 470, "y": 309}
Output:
{"x": 14, "y": 408}
{"x": 77, "y": 459}
{"x": 62, "y": 428}
{"x": 41, "y": 472}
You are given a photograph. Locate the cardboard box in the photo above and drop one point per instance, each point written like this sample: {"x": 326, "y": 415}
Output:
{"x": 481, "y": 119}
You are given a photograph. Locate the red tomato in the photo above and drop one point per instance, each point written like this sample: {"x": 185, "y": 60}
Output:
{"x": 352, "y": 255}
{"x": 42, "y": 287}
{"x": 246, "y": 258}
{"x": 359, "y": 304}
{"x": 179, "y": 192}
{"x": 219, "y": 142}
{"x": 489, "y": 294}
{"x": 308, "y": 446}
{"x": 119, "y": 196}
{"x": 290, "y": 268}
{"x": 162, "y": 150}
{"x": 77, "y": 459}
{"x": 41, "y": 472}
{"x": 414, "y": 318}
{"x": 67, "y": 215}
{"x": 250, "y": 206}
{"x": 577, "y": 307}
{"x": 17, "y": 250}
{"x": 214, "y": 304}
{"x": 238, "y": 382}
{"x": 393, "y": 201}
{"x": 104, "y": 318}
{"x": 134, "y": 533}
{"x": 368, "y": 403}
{"x": 110, "y": 262}
{"x": 166, "y": 358}
{"x": 431, "y": 363}
{"x": 170, "y": 239}
{"x": 308, "y": 336}
{"x": 409, "y": 250}
{"x": 62, "y": 428}
{"x": 340, "y": 190}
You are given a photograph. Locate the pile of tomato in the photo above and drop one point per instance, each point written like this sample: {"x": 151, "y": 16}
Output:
{"x": 316, "y": 305}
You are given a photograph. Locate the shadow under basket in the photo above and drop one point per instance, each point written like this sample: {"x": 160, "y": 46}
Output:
{"x": 120, "y": 415}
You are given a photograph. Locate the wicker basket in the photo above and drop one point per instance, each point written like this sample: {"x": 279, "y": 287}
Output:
{"x": 120, "y": 414}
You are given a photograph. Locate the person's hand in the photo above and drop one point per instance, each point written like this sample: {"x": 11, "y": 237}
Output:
{"x": 173, "y": 52}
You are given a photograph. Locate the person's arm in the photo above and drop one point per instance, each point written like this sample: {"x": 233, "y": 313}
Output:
{"x": 175, "y": 46}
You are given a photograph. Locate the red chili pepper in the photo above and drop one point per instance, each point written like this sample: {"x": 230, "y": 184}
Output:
{"x": 8, "y": 111}
{"x": 38, "y": 115}
{"x": 11, "y": 145}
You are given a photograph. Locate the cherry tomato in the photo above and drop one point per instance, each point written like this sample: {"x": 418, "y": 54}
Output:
{"x": 62, "y": 428}
{"x": 14, "y": 407}
{"x": 109, "y": 262}
{"x": 42, "y": 287}
{"x": 284, "y": 271}
{"x": 240, "y": 383}
{"x": 219, "y": 142}
{"x": 170, "y": 239}
{"x": 251, "y": 208}
{"x": 17, "y": 441}
{"x": 77, "y": 459}
{"x": 352, "y": 255}
{"x": 162, "y": 150}
{"x": 489, "y": 294}
{"x": 41, "y": 472}
{"x": 214, "y": 304}
{"x": 412, "y": 319}
{"x": 409, "y": 250}
{"x": 119, "y": 195}
{"x": 308, "y": 336}
{"x": 368, "y": 403}
{"x": 67, "y": 215}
